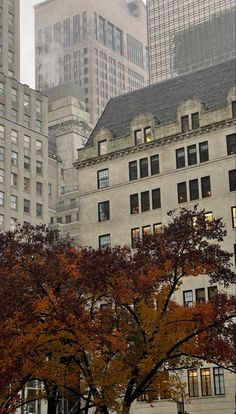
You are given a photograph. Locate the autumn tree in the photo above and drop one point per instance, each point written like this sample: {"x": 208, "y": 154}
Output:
{"x": 106, "y": 325}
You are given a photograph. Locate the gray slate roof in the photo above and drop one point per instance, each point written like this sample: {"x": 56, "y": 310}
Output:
{"x": 210, "y": 85}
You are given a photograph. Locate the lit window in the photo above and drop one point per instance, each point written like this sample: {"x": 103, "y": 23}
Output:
{"x": 233, "y": 210}
{"x": 135, "y": 236}
{"x": 146, "y": 231}
{"x": 26, "y": 142}
{"x": 103, "y": 211}
{"x": 219, "y": 383}
{"x": 193, "y": 383}
{"x": 147, "y": 134}
{"x": 231, "y": 144}
{"x": 102, "y": 147}
{"x": 232, "y": 180}
{"x": 103, "y": 178}
{"x": 208, "y": 216}
{"x": 104, "y": 241}
{"x": 205, "y": 381}
{"x": 2, "y": 131}
{"x": 188, "y": 298}
{"x": 14, "y": 158}
{"x": 14, "y": 202}
{"x": 134, "y": 206}
{"x": 157, "y": 228}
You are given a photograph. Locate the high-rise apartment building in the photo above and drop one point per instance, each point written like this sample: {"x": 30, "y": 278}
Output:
{"x": 186, "y": 35}
{"x": 10, "y": 38}
{"x": 99, "y": 44}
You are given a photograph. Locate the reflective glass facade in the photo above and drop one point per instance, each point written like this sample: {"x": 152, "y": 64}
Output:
{"x": 186, "y": 35}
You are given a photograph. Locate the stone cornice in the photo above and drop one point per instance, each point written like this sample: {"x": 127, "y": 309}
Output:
{"x": 154, "y": 144}
{"x": 80, "y": 127}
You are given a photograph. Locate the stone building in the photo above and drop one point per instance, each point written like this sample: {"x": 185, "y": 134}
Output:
{"x": 187, "y": 35}
{"x": 165, "y": 146}
{"x": 101, "y": 45}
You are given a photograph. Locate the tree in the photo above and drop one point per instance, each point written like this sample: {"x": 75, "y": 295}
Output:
{"x": 106, "y": 325}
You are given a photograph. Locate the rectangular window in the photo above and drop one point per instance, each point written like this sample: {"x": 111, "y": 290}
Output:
{"x": 14, "y": 158}
{"x": 143, "y": 165}
{"x": 133, "y": 170}
{"x": 39, "y": 188}
{"x": 233, "y": 212}
{"x": 203, "y": 151}
{"x": 192, "y": 154}
{"x": 147, "y": 134}
{"x": 193, "y": 383}
{"x": 182, "y": 192}
{"x": 13, "y": 202}
{"x": 66, "y": 32}
{"x": 76, "y": 28}
{"x": 232, "y": 180}
{"x": 138, "y": 137}
{"x": 195, "y": 120}
{"x": 200, "y": 295}
{"x": 39, "y": 167}
{"x": 104, "y": 241}
{"x": 26, "y": 142}
{"x": 14, "y": 137}
{"x": 219, "y": 383}
{"x": 26, "y": 206}
{"x": 157, "y": 228}
{"x": 145, "y": 202}
{"x": 26, "y": 121}
{"x": 180, "y": 158}
{"x": 103, "y": 178}
{"x": 68, "y": 219}
{"x": 188, "y": 298}
{"x": 103, "y": 211}
{"x": 156, "y": 198}
{"x": 2, "y": 153}
{"x": 26, "y": 163}
{"x": 2, "y": 131}
{"x": 155, "y": 167}
{"x": 26, "y": 100}
{"x": 1, "y": 221}
{"x": 26, "y": 184}
{"x": 39, "y": 146}
{"x": 134, "y": 207}
{"x": 38, "y": 125}
{"x": 206, "y": 186}
{"x": 146, "y": 231}
{"x": 184, "y": 123}
{"x": 2, "y": 88}
{"x": 234, "y": 109}
{"x": 208, "y": 216}
{"x": 193, "y": 190}
{"x": 39, "y": 210}
{"x": 205, "y": 381}
{"x": 14, "y": 95}
{"x": 231, "y": 144}
{"x": 1, "y": 198}
{"x": 1, "y": 109}
{"x": 13, "y": 223}
{"x": 212, "y": 292}
{"x": 135, "y": 236}
{"x": 14, "y": 180}
{"x": 49, "y": 189}
{"x": 38, "y": 106}
{"x": 14, "y": 115}
{"x": 2, "y": 175}
{"x": 102, "y": 147}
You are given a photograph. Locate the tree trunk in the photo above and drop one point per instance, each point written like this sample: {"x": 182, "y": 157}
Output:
{"x": 52, "y": 405}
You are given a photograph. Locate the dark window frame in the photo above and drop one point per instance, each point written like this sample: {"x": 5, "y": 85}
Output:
{"x": 105, "y": 246}
{"x": 134, "y": 203}
{"x": 103, "y": 211}
{"x": 100, "y": 151}
{"x": 195, "y": 120}
{"x": 193, "y": 388}
{"x": 155, "y": 164}
{"x": 147, "y": 135}
{"x": 205, "y": 382}
{"x": 233, "y": 215}
{"x": 185, "y": 123}
{"x": 232, "y": 180}
{"x": 143, "y": 167}
{"x": 180, "y": 161}
{"x": 134, "y": 239}
{"x": 133, "y": 170}
{"x": 203, "y": 153}
{"x": 102, "y": 182}
{"x": 206, "y": 186}
{"x": 193, "y": 190}
{"x": 218, "y": 373}
{"x": 231, "y": 144}
{"x": 156, "y": 198}
{"x": 200, "y": 298}
{"x": 145, "y": 201}
{"x": 182, "y": 192}
{"x": 192, "y": 154}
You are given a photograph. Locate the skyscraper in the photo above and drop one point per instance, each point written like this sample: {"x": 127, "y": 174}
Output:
{"x": 187, "y": 35}
{"x": 101, "y": 45}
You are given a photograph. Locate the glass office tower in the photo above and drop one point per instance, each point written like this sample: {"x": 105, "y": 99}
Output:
{"x": 186, "y": 35}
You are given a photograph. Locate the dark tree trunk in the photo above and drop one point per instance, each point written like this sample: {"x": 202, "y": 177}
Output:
{"x": 52, "y": 405}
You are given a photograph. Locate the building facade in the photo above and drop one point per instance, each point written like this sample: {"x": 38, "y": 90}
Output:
{"x": 186, "y": 35}
{"x": 99, "y": 45}
{"x": 165, "y": 146}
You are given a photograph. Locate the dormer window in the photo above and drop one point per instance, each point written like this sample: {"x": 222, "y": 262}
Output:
{"x": 184, "y": 123}
{"x": 147, "y": 135}
{"x": 190, "y": 122}
{"x": 195, "y": 120}
{"x": 138, "y": 137}
{"x": 234, "y": 109}
{"x": 102, "y": 147}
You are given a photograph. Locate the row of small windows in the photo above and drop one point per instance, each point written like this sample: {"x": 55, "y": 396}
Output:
{"x": 26, "y": 140}
{"x": 145, "y": 201}
{"x": 26, "y": 98}
{"x": 192, "y": 156}
{"x": 26, "y": 204}
{"x": 26, "y": 161}
{"x": 144, "y": 167}
{"x": 194, "y": 189}
{"x": 200, "y": 295}
{"x": 27, "y": 118}
{"x": 14, "y": 180}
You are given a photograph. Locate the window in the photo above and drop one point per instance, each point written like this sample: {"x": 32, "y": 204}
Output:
{"x": 14, "y": 158}
{"x": 59, "y": 220}
{"x": 13, "y": 223}
{"x": 13, "y": 202}
{"x": 133, "y": 170}
{"x": 157, "y": 228}
{"x": 39, "y": 146}
{"x": 102, "y": 147}
{"x": 193, "y": 383}
{"x": 14, "y": 180}
{"x": 205, "y": 381}
{"x": 234, "y": 109}
{"x": 39, "y": 188}
{"x": 38, "y": 125}
{"x": 182, "y": 192}
{"x": 103, "y": 178}
{"x": 2, "y": 131}
{"x": 156, "y": 198}
{"x": 2, "y": 153}
{"x": 1, "y": 221}
{"x": 39, "y": 167}
{"x": 145, "y": 203}
{"x": 134, "y": 207}
{"x": 10, "y": 57}
{"x": 195, "y": 120}
{"x": 26, "y": 142}
{"x": 26, "y": 206}
{"x": 68, "y": 219}
{"x": 212, "y": 292}
{"x": 76, "y": 28}
{"x": 14, "y": 137}
{"x": 155, "y": 167}
{"x": 104, "y": 241}
{"x": 231, "y": 144}
{"x": 206, "y": 186}
{"x": 233, "y": 212}
{"x": 219, "y": 383}
{"x": 38, "y": 106}
{"x": 203, "y": 151}
{"x": 10, "y": 19}
{"x": 193, "y": 190}
{"x": 2, "y": 88}
{"x": 180, "y": 158}
{"x": 147, "y": 134}
{"x": 26, "y": 101}
{"x": 143, "y": 165}
{"x": 1, "y": 198}
{"x": 26, "y": 184}
{"x": 14, "y": 95}
{"x": 188, "y": 298}
{"x": 39, "y": 210}
{"x": 200, "y": 295}
{"x": 2, "y": 175}
{"x": 103, "y": 211}
{"x": 192, "y": 154}
{"x": 184, "y": 123}
{"x": 26, "y": 162}
{"x": 14, "y": 115}
{"x": 1, "y": 109}
{"x": 138, "y": 137}
{"x": 26, "y": 121}
{"x": 146, "y": 231}
{"x": 208, "y": 216}
{"x": 135, "y": 236}
{"x": 232, "y": 180}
